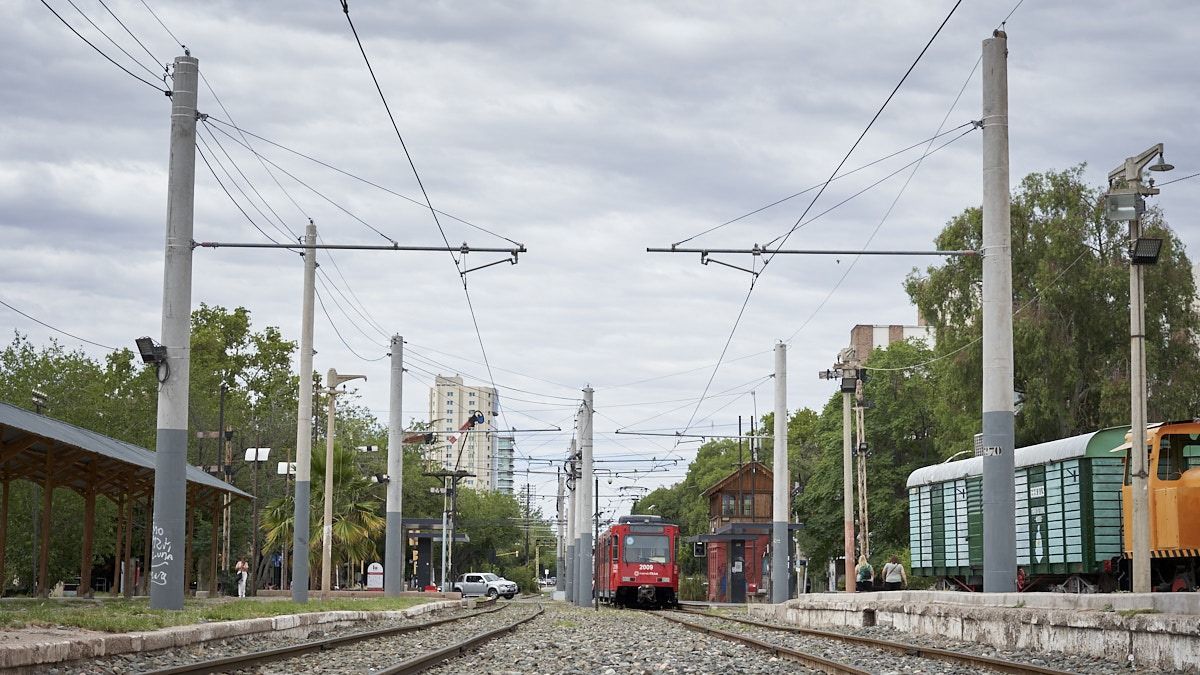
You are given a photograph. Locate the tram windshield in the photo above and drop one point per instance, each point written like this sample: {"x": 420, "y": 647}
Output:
{"x": 647, "y": 548}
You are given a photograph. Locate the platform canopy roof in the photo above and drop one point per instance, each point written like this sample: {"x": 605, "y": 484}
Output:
{"x": 34, "y": 447}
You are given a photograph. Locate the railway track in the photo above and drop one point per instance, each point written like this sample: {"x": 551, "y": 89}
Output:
{"x": 823, "y": 664}
{"x": 411, "y": 665}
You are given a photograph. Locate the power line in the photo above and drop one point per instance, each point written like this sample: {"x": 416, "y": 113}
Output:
{"x": 360, "y": 179}
{"x": 226, "y": 190}
{"x": 153, "y": 58}
{"x": 99, "y": 51}
{"x": 333, "y": 325}
{"x": 767, "y": 260}
{"x": 309, "y": 187}
{"x": 349, "y": 318}
{"x": 160, "y": 22}
{"x": 814, "y": 187}
{"x": 100, "y": 30}
{"x": 277, "y": 223}
{"x": 55, "y": 329}
{"x": 418, "y": 355}
{"x": 1176, "y": 180}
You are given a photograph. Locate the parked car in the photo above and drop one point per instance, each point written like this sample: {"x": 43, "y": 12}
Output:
{"x": 485, "y": 583}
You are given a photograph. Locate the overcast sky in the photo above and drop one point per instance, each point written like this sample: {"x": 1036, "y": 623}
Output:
{"x": 585, "y": 131}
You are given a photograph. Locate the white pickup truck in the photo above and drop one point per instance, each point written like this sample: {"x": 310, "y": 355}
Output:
{"x": 485, "y": 583}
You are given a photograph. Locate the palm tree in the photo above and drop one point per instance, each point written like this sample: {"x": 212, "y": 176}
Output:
{"x": 356, "y": 520}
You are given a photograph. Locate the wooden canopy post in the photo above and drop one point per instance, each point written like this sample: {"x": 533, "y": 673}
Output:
{"x": 3, "y": 532}
{"x": 144, "y": 581}
{"x": 187, "y": 551}
{"x": 127, "y": 567}
{"x": 43, "y": 588}
{"x": 89, "y": 526}
{"x": 212, "y": 550}
{"x": 119, "y": 545}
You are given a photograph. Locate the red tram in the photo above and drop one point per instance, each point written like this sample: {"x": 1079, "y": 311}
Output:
{"x": 636, "y": 565}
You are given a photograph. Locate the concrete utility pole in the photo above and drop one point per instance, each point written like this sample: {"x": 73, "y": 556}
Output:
{"x": 393, "y": 544}
{"x": 587, "y": 475}
{"x": 864, "y": 523}
{"x": 572, "y": 564}
{"x": 1124, "y": 202}
{"x": 303, "y": 494}
{"x": 166, "y": 566}
{"x": 846, "y": 372}
{"x": 781, "y": 507}
{"x": 560, "y": 582}
{"x": 999, "y": 499}
{"x": 332, "y": 381}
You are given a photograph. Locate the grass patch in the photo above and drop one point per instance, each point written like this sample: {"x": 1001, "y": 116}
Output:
{"x": 121, "y": 616}
{"x": 1134, "y": 612}
{"x": 566, "y": 623}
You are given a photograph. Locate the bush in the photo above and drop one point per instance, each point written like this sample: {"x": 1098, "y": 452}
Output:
{"x": 524, "y": 578}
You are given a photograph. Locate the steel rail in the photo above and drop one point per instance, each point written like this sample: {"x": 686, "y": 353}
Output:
{"x": 810, "y": 660}
{"x": 419, "y": 664}
{"x": 947, "y": 655}
{"x": 239, "y": 661}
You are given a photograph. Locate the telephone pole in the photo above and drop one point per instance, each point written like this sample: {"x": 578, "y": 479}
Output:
{"x": 999, "y": 507}
{"x": 584, "y": 584}
{"x": 166, "y": 566}
{"x": 781, "y": 506}
{"x": 571, "y": 566}
{"x": 303, "y": 494}
{"x": 394, "y": 541}
{"x": 864, "y": 529}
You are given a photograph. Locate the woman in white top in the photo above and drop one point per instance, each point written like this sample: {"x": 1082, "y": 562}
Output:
{"x": 893, "y": 575}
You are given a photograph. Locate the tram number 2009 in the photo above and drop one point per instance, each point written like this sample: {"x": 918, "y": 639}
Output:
{"x": 645, "y": 567}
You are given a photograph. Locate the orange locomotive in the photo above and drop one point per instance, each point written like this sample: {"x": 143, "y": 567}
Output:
{"x": 1174, "y": 486}
{"x": 636, "y": 564}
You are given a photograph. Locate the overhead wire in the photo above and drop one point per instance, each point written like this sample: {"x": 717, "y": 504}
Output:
{"x": 277, "y": 223}
{"x": 333, "y": 325}
{"x": 160, "y": 22}
{"x": 814, "y": 187}
{"x": 149, "y": 53}
{"x": 114, "y": 43}
{"x": 228, "y": 194}
{"x": 57, "y": 329}
{"x": 360, "y": 179}
{"x": 99, "y": 51}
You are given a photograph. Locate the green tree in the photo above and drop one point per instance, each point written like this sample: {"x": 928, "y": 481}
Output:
{"x": 1070, "y": 328}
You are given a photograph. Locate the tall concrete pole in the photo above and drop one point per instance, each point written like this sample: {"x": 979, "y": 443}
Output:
{"x": 303, "y": 494}
{"x": 1139, "y": 485}
{"x": 559, "y": 580}
{"x": 847, "y": 489}
{"x": 393, "y": 544}
{"x": 170, "y": 459}
{"x": 585, "y": 501}
{"x": 999, "y": 509}
{"x": 781, "y": 505}
{"x": 572, "y": 525}
{"x": 327, "y": 491}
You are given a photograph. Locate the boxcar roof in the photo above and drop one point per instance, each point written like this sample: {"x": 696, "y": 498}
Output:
{"x": 1032, "y": 455}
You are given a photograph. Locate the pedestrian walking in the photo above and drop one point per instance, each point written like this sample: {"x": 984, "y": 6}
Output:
{"x": 243, "y": 570}
{"x": 893, "y": 575}
{"x": 864, "y": 574}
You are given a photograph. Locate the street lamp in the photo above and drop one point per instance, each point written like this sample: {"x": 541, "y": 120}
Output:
{"x": 332, "y": 380}
{"x": 1124, "y": 202}
{"x": 254, "y": 456}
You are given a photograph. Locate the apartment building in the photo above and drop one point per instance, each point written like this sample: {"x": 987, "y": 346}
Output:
{"x": 451, "y": 402}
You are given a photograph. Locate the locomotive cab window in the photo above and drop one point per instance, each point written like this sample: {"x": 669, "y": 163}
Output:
{"x": 616, "y": 545}
{"x": 1177, "y": 453}
{"x": 647, "y": 548}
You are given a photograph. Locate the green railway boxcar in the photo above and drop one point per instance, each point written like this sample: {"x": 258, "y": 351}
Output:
{"x": 1068, "y": 514}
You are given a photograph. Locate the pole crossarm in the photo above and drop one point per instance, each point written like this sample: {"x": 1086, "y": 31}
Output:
{"x": 680, "y": 434}
{"x": 514, "y": 252}
{"x": 489, "y": 431}
{"x": 760, "y": 251}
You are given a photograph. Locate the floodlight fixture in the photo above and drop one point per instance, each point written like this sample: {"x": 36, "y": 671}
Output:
{"x": 151, "y": 351}
{"x": 1145, "y": 251}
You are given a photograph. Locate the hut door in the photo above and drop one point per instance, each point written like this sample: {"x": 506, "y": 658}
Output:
{"x": 737, "y": 571}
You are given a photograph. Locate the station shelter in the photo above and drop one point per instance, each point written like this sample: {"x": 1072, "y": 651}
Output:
{"x": 737, "y": 545}
{"x": 424, "y": 535}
